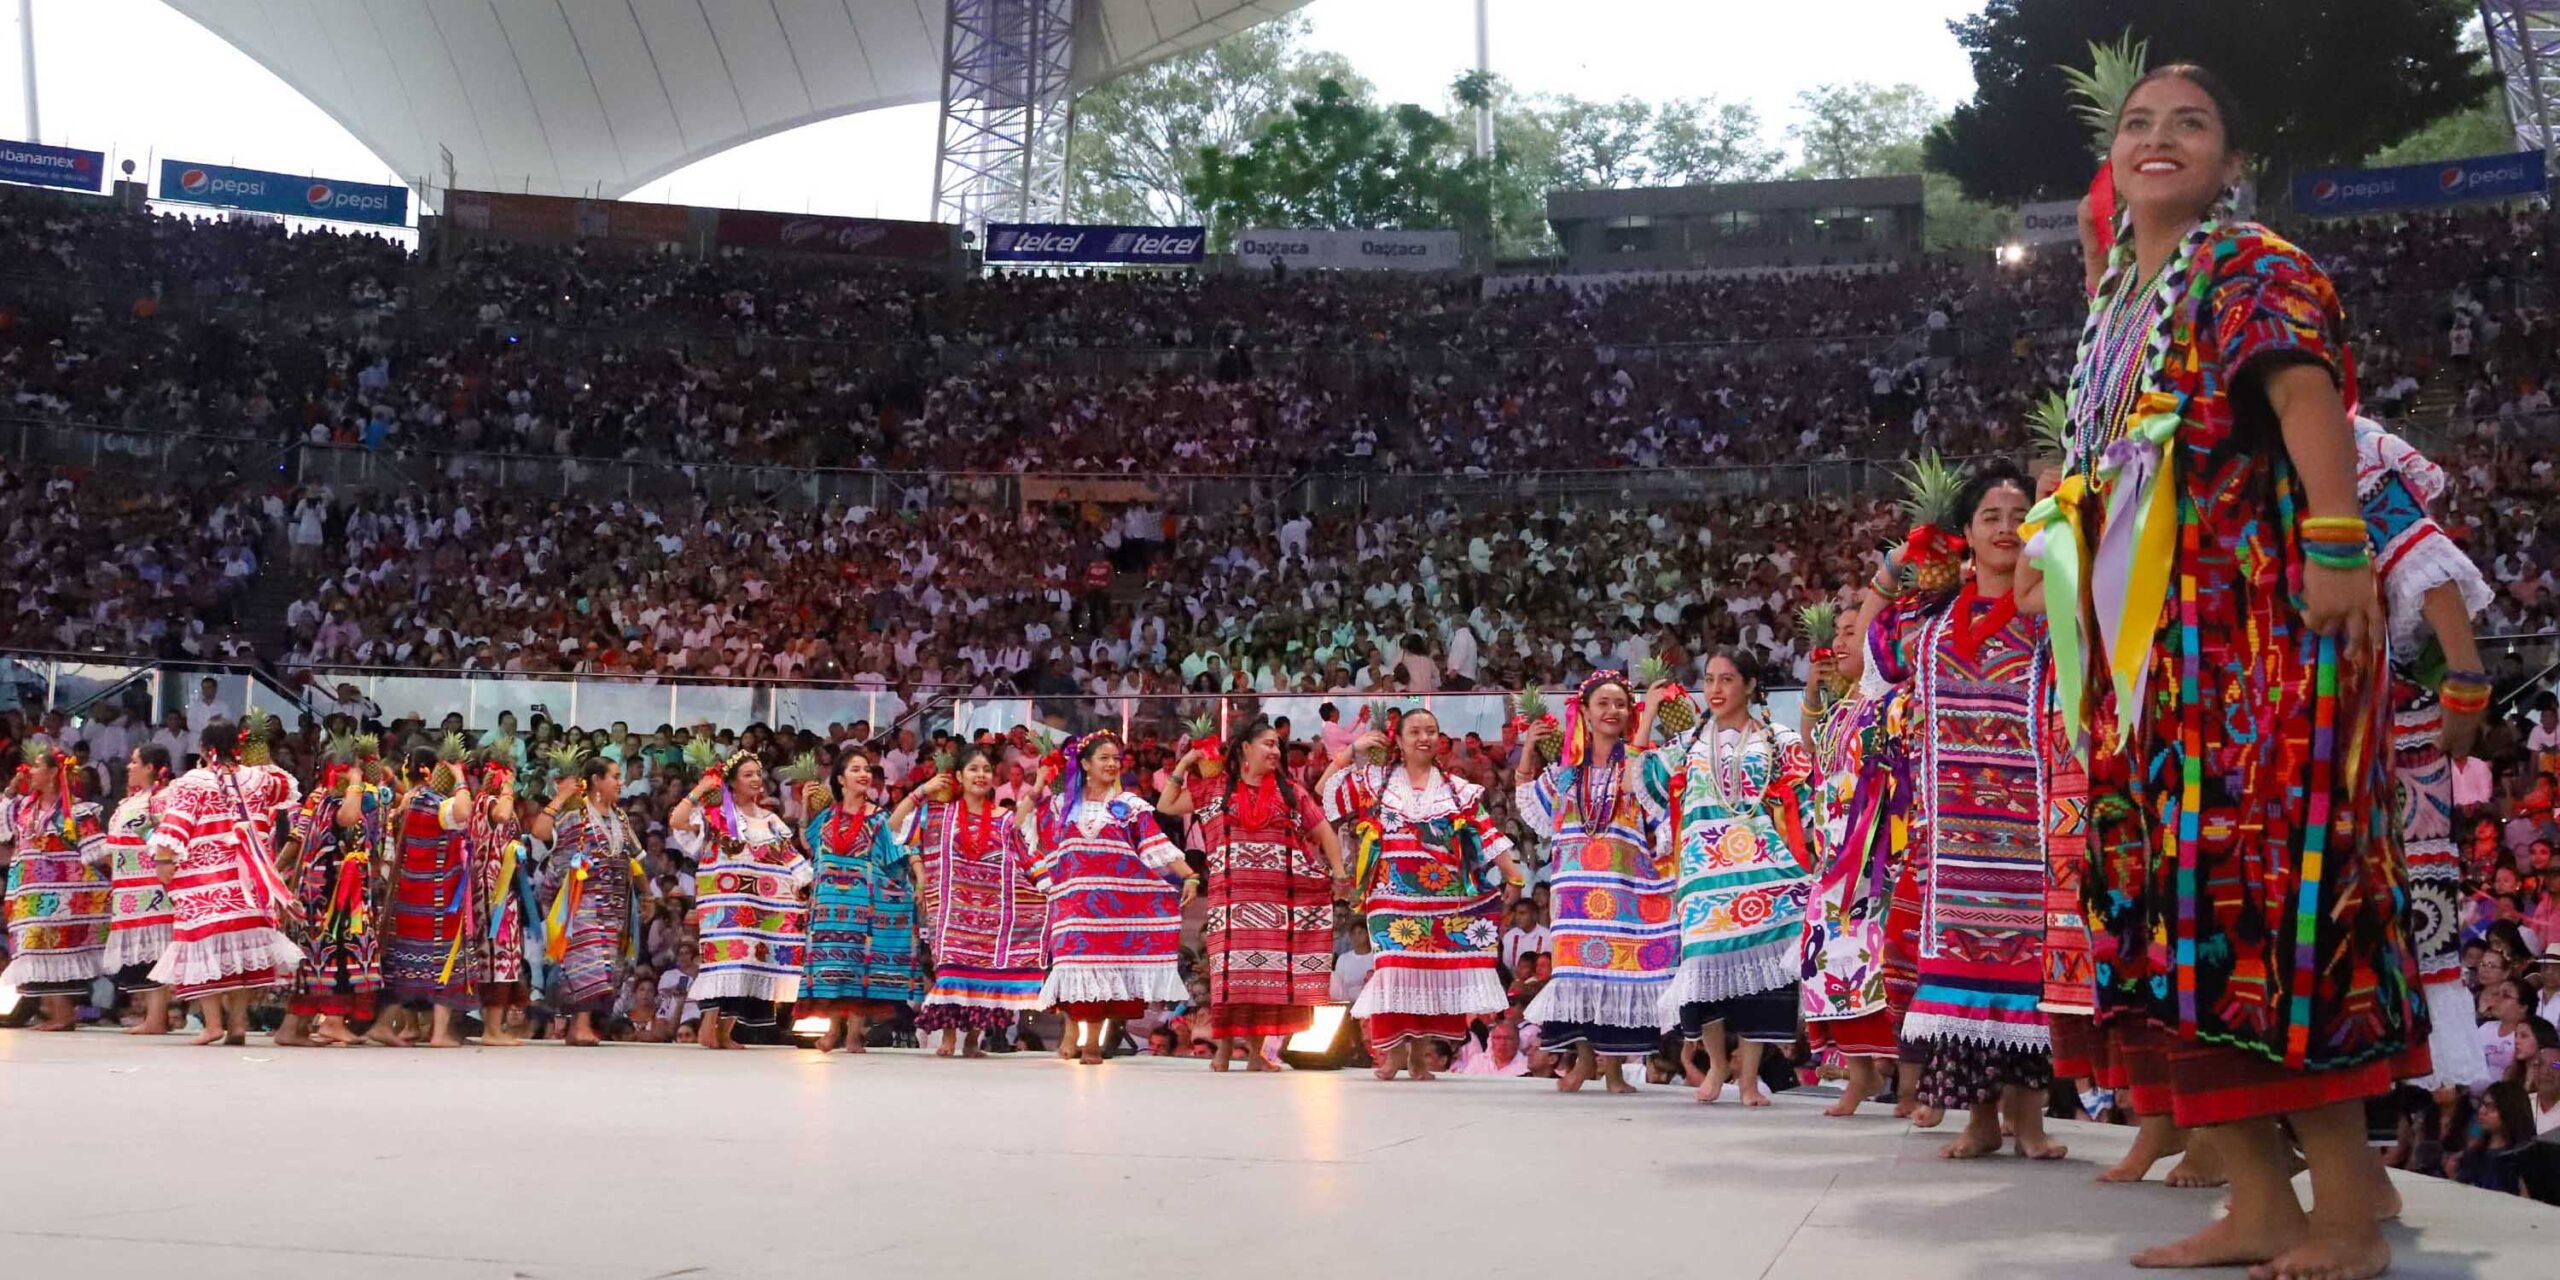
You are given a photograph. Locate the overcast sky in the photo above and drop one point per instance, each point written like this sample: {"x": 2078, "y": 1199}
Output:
{"x": 136, "y": 79}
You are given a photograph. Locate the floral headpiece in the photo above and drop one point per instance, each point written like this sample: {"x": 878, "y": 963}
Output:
{"x": 1071, "y": 771}
{"x": 1577, "y": 734}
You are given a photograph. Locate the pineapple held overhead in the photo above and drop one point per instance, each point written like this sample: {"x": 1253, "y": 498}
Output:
{"x": 1529, "y": 712}
{"x": 1933, "y": 553}
{"x": 257, "y": 737}
{"x": 1203, "y": 732}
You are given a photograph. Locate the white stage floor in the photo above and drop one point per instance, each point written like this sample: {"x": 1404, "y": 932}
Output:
{"x": 122, "y": 1158}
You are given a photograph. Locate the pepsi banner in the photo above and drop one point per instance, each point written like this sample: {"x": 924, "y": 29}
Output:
{"x": 66, "y": 167}
{"x": 187, "y": 182}
{"x": 1123, "y": 246}
{"x": 2325, "y": 192}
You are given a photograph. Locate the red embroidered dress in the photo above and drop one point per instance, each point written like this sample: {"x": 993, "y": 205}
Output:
{"x": 139, "y": 930}
{"x": 1115, "y": 909}
{"x": 60, "y": 897}
{"x": 1431, "y": 894}
{"x": 1269, "y": 931}
{"x": 225, "y": 890}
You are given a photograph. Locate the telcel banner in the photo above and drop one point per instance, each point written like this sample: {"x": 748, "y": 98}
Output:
{"x": 1350, "y": 250}
{"x": 66, "y": 167}
{"x": 188, "y": 182}
{"x": 1069, "y": 242}
{"x": 2335, "y": 191}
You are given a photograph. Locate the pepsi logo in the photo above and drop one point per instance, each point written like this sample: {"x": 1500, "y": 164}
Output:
{"x": 318, "y": 195}
{"x": 2324, "y": 190}
{"x": 194, "y": 181}
{"x": 2450, "y": 178}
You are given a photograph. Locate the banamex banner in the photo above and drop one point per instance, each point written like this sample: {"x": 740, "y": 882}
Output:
{"x": 824, "y": 233}
{"x": 293, "y": 195}
{"x": 34, "y": 163}
{"x": 1350, "y": 250}
{"x": 1121, "y": 246}
{"x": 2339, "y": 191}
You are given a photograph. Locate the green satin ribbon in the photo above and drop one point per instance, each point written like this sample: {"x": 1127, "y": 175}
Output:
{"x": 2154, "y": 549}
{"x": 2061, "y": 548}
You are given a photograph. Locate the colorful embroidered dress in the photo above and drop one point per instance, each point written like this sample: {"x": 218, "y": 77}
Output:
{"x": 1977, "y": 680}
{"x": 983, "y": 916}
{"x": 1613, "y": 943}
{"x": 1269, "y": 931}
{"x": 141, "y": 917}
{"x": 862, "y": 917}
{"x": 1735, "y": 805}
{"x": 224, "y": 890}
{"x": 500, "y": 888}
{"x": 431, "y": 953}
{"x": 747, "y": 886}
{"x": 61, "y": 897}
{"x": 2396, "y": 485}
{"x": 1864, "y": 800}
{"x": 1428, "y": 885}
{"x": 2246, "y": 890}
{"x": 591, "y": 930}
{"x": 1115, "y": 913}
{"x": 339, "y": 879}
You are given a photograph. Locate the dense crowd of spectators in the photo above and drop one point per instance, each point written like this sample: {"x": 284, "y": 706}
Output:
{"x": 95, "y": 567}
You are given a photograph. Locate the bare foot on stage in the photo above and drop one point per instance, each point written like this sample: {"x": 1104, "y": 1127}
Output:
{"x": 445, "y": 1042}
{"x": 944, "y": 1051}
{"x": 2154, "y": 1140}
{"x": 1420, "y": 1072}
{"x": 1616, "y": 1082}
{"x": 235, "y": 1039}
{"x": 1923, "y": 1117}
{"x": 500, "y": 1040}
{"x": 1980, "y": 1138}
{"x": 2225, "y": 1244}
{"x": 1846, "y": 1107}
{"x": 584, "y": 1040}
{"x": 1090, "y": 1056}
{"x": 2328, "y": 1257}
{"x": 1218, "y": 1060}
{"x": 212, "y": 1035}
{"x": 1573, "y": 1077}
{"x": 2201, "y": 1168}
{"x": 148, "y": 1029}
{"x": 297, "y": 1040}
{"x": 1713, "y": 1089}
{"x": 2039, "y": 1146}
{"x": 1255, "y": 1062}
{"x": 1751, "y": 1094}
{"x": 967, "y": 1053}
{"x": 857, "y": 1047}
{"x": 1383, "y": 1070}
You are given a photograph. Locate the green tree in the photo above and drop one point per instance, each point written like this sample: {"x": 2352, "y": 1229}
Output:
{"x": 2318, "y": 81}
{"x": 1138, "y": 138}
{"x": 1335, "y": 160}
{"x": 2483, "y": 130}
{"x": 1700, "y": 140}
{"x": 1603, "y": 144}
{"x": 1861, "y": 130}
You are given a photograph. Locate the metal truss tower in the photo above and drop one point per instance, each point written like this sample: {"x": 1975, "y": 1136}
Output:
{"x": 1007, "y": 111}
{"x": 2524, "y": 45}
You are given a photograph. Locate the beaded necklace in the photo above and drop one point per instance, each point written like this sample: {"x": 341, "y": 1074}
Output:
{"x": 2109, "y": 374}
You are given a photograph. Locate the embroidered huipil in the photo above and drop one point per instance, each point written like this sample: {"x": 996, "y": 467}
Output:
{"x": 1115, "y": 914}
{"x": 1736, "y": 808}
{"x": 1614, "y": 942}
{"x": 1425, "y": 869}
{"x": 60, "y": 896}
{"x": 141, "y": 917}
{"x": 747, "y": 889}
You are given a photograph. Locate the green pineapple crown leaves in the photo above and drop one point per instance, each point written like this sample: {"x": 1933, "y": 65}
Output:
{"x": 699, "y": 754}
{"x": 802, "y": 770}
{"x": 2050, "y": 423}
{"x": 1529, "y": 703}
{"x": 1201, "y": 726}
{"x": 2097, "y": 93}
{"x": 453, "y": 748}
{"x": 1929, "y": 489}
{"x": 564, "y": 761}
{"x": 339, "y": 748}
{"x": 1819, "y": 621}
{"x": 1652, "y": 671}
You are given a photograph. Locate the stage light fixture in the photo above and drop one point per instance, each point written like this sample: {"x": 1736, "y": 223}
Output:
{"x": 1326, "y": 1044}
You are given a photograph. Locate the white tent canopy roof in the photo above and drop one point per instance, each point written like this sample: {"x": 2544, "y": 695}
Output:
{"x": 599, "y": 97}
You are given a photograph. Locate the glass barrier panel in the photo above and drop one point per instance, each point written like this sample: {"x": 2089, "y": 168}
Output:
{"x": 643, "y": 707}
{"x": 816, "y": 708}
{"x": 722, "y": 705}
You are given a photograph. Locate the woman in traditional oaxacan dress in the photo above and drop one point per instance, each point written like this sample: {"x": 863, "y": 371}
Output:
{"x": 428, "y": 962}
{"x": 589, "y": 880}
{"x": 1855, "y": 727}
{"x": 749, "y": 884}
{"x": 983, "y": 917}
{"x": 861, "y": 964}
{"x": 2246, "y": 892}
{"x": 1273, "y": 863}
{"x": 501, "y": 882}
{"x": 1732, "y": 799}
{"x": 139, "y": 929}
{"x": 210, "y": 853}
{"x": 1613, "y": 942}
{"x": 1426, "y": 872}
{"x": 334, "y": 854}
{"x": 61, "y": 898}
{"x": 1975, "y": 1024}
{"x": 1116, "y": 891}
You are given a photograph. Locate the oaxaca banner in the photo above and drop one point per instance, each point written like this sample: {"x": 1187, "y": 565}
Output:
{"x": 66, "y": 167}
{"x": 821, "y": 233}
{"x": 1350, "y": 250}
{"x": 257, "y": 190}
{"x": 1070, "y": 242}
{"x": 2340, "y": 191}
{"x": 2049, "y": 222}
{"x": 517, "y": 216}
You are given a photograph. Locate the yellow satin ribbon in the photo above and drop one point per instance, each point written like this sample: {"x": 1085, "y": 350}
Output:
{"x": 2060, "y": 549}
{"x": 564, "y": 908}
{"x": 2155, "y": 421}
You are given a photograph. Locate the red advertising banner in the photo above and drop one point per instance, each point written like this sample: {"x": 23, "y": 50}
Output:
{"x": 518, "y": 216}
{"x": 824, "y": 233}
